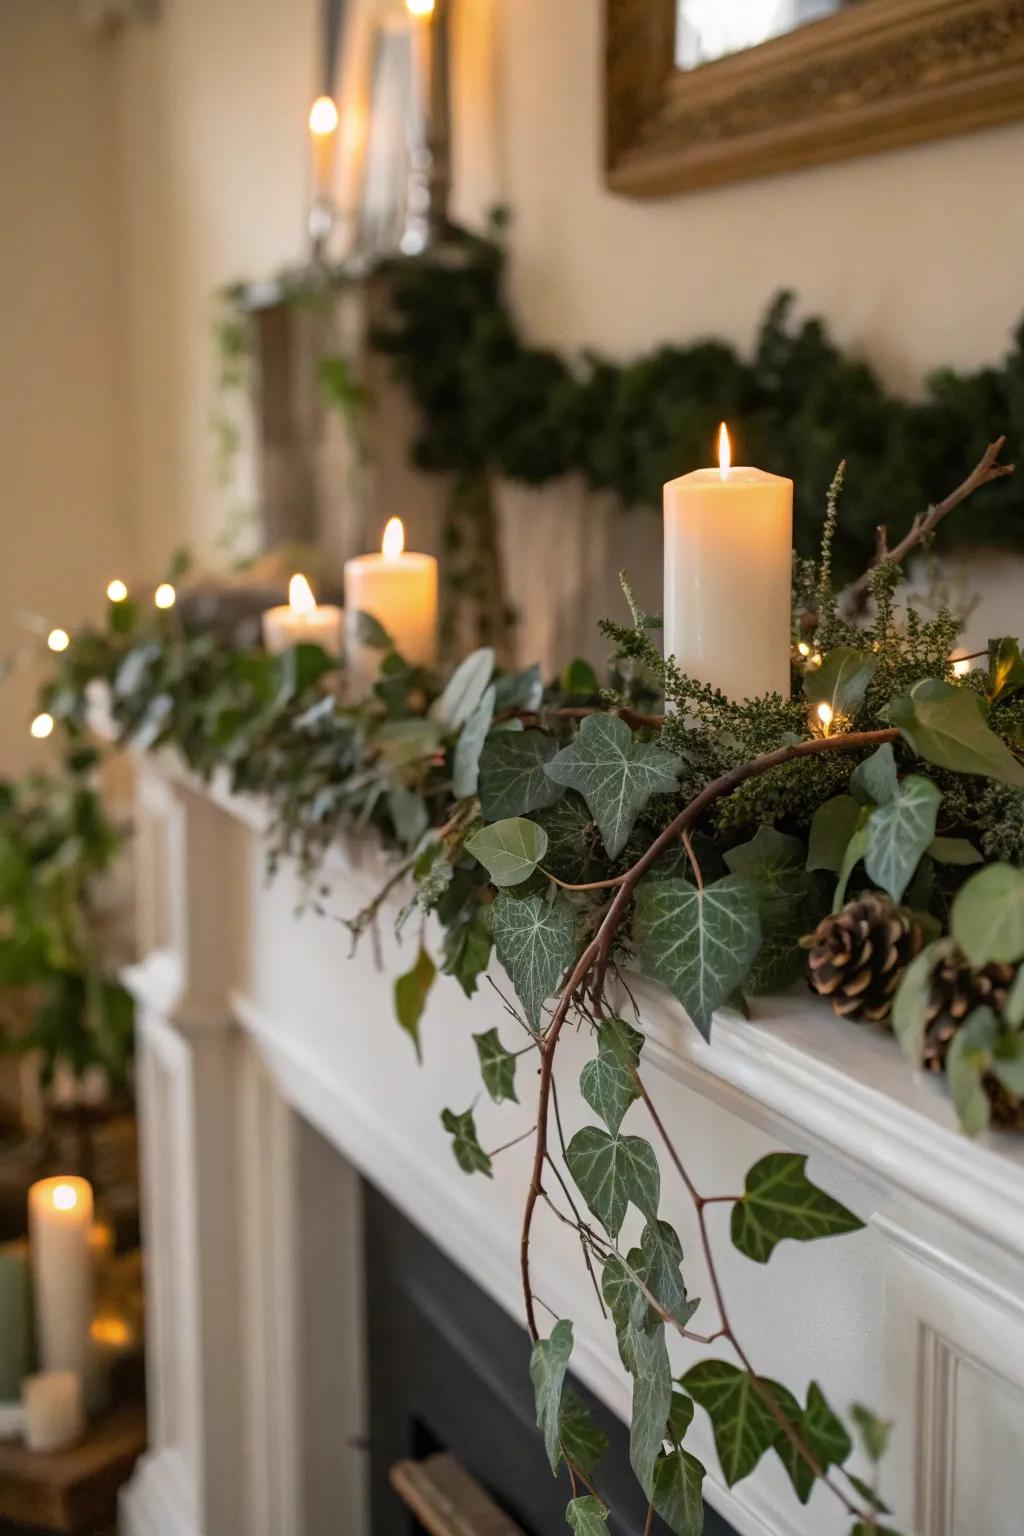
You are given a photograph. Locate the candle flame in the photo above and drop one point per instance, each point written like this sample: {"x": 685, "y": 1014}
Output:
{"x": 300, "y": 596}
{"x": 323, "y": 117}
{"x": 724, "y": 451}
{"x": 393, "y": 542}
{"x": 961, "y": 666}
{"x": 65, "y": 1197}
{"x": 826, "y": 715}
{"x": 420, "y": 7}
{"x": 110, "y": 1330}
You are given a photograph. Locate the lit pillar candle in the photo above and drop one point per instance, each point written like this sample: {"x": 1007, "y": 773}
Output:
{"x": 399, "y": 590}
{"x": 54, "y": 1413}
{"x": 323, "y": 134}
{"x": 60, "y": 1220}
{"x": 728, "y": 573}
{"x": 302, "y": 621}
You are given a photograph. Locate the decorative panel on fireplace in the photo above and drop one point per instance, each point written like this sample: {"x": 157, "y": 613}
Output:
{"x": 448, "y": 1372}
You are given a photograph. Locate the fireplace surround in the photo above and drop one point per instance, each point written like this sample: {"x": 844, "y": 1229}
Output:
{"x": 273, "y": 1081}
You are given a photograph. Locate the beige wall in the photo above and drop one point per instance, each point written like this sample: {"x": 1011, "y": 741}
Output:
{"x": 63, "y": 517}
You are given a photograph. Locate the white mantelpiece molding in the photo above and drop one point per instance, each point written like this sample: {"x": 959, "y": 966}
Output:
{"x": 271, "y": 1076}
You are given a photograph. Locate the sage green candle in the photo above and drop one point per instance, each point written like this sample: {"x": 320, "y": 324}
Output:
{"x": 15, "y": 1320}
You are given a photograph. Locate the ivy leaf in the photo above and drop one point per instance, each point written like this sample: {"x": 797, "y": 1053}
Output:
{"x": 615, "y": 773}
{"x": 1006, "y": 668}
{"x": 469, "y": 1154}
{"x": 406, "y": 741}
{"x": 954, "y": 850}
{"x": 371, "y": 632}
{"x": 987, "y": 919}
{"x": 743, "y": 1425}
{"x": 548, "y": 1365}
{"x": 1008, "y": 1063}
{"x": 579, "y": 678}
{"x": 910, "y": 1005}
{"x": 587, "y": 1516}
{"x": 582, "y": 1441}
{"x": 466, "y": 757}
{"x": 497, "y": 1067}
{"x": 536, "y": 943}
{"x": 779, "y": 1202}
{"x": 841, "y": 681}
{"x": 876, "y": 779}
{"x": 652, "y": 1400}
{"x": 411, "y": 993}
{"x": 658, "y": 1262}
{"x": 822, "y": 1429}
{"x": 898, "y": 833}
{"x": 1013, "y": 1009}
{"x": 967, "y": 1061}
{"x": 574, "y": 852}
{"x": 509, "y": 850}
{"x": 855, "y": 851}
{"x": 874, "y": 1432}
{"x": 608, "y": 1082}
{"x": 700, "y": 944}
{"x": 467, "y": 948}
{"x": 611, "y": 1171}
{"x": 680, "y": 1417}
{"x": 519, "y": 690}
{"x": 629, "y": 1308}
{"x": 512, "y": 777}
{"x": 860, "y": 1529}
{"x": 945, "y": 725}
{"x": 832, "y": 827}
{"x": 867, "y": 1492}
{"x": 464, "y": 689}
{"x": 678, "y": 1492}
{"x": 788, "y": 903}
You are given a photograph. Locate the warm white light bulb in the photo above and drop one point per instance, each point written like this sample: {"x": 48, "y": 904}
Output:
{"x": 165, "y": 595}
{"x": 65, "y": 1197}
{"x": 117, "y": 591}
{"x": 825, "y": 715}
{"x": 58, "y": 639}
{"x": 804, "y": 648}
{"x": 393, "y": 542}
{"x": 420, "y": 7}
{"x": 41, "y": 726}
{"x": 323, "y": 117}
{"x": 724, "y": 451}
{"x": 300, "y": 596}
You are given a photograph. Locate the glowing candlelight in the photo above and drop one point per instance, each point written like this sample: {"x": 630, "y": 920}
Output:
{"x": 399, "y": 590}
{"x": 165, "y": 595}
{"x": 323, "y": 134}
{"x": 60, "y": 1223}
{"x": 117, "y": 591}
{"x": 302, "y": 621}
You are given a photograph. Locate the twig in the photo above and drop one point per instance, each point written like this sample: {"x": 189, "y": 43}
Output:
{"x": 924, "y": 525}
{"x": 694, "y": 865}
{"x": 514, "y": 1143}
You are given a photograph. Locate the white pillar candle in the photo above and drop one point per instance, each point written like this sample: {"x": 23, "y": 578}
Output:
{"x": 728, "y": 575}
{"x": 302, "y": 621}
{"x": 54, "y": 1414}
{"x": 399, "y": 590}
{"x": 323, "y": 134}
{"x": 60, "y": 1221}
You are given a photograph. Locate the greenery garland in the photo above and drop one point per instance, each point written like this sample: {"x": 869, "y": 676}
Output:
{"x": 572, "y": 828}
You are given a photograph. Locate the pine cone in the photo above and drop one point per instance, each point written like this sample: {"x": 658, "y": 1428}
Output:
{"x": 857, "y": 956}
{"x": 956, "y": 990}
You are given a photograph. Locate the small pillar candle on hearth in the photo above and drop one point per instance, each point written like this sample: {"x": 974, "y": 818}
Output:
{"x": 60, "y": 1223}
{"x": 302, "y": 621}
{"x": 53, "y": 1408}
{"x": 728, "y": 573}
{"x": 399, "y": 590}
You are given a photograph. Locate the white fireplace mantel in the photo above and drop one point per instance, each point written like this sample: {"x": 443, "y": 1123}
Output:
{"x": 272, "y": 1076}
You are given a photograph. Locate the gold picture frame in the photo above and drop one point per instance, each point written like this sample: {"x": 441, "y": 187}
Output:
{"x": 876, "y": 75}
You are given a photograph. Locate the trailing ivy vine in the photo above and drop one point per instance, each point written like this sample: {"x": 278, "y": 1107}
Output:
{"x": 578, "y": 832}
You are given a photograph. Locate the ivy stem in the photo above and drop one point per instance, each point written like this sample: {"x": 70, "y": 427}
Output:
{"x": 513, "y": 1143}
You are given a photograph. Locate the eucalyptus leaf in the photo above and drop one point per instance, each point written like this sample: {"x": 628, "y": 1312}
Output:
{"x": 497, "y": 1067}
{"x": 509, "y": 850}
{"x": 536, "y": 943}
{"x": 1007, "y": 1062}
{"x": 841, "y": 681}
{"x": 407, "y": 741}
{"x": 699, "y": 943}
{"x": 615, "y": 773}
{"x": 1013, "y": 1012}
{"x": 779, "y": 1201}
{"x": 987, "y": 918}
{"x": 519, "y": 690}
{"x": 913, "y": 996}
{"x": 608, "y": 1082}
{"x": 512, "y": 777}
{"x": 613, "y": 1171}
{"x": 898, "y": 833}
{"x": 466, "y": 758}
{"x": 469, "y": 1154}
{"x": 411, "y": 993}
{"x": 945, "y": 725}
{"x": 408, "y": 814}
{"x": 464, "y": 689}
